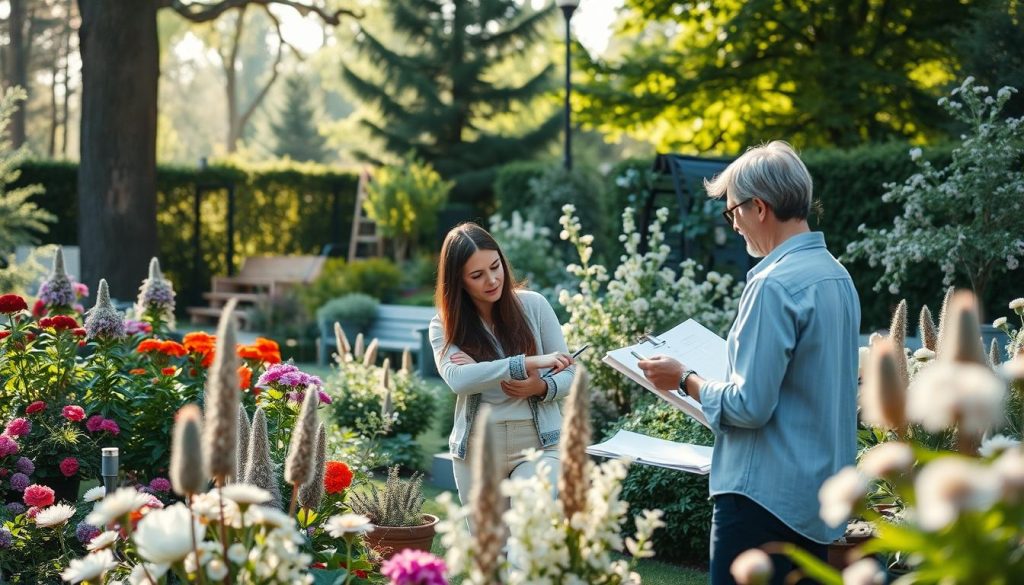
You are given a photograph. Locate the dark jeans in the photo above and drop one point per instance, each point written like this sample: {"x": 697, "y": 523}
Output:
{"x": 738, "y": 524}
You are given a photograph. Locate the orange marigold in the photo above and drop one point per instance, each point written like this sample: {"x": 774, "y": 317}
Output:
{"x": 148, "y": 345}
{"x": 270, "y": 351}
{"x": 137, "y": 371}
{"x": 249, "y": 352}
{"x": 207, "y": 359}
{"x": 199, "y": 342}
{"x": 169, "y": 371}
{"x": 337, "y": 477}
{"x": 244, "y": 377}
{"x": 173, "y": 349}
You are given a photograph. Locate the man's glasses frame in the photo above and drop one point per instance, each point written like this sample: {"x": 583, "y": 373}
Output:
{"x": 728, "y": 213}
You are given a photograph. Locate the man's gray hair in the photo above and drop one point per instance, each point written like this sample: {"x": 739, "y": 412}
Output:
{"x": 771, "y": 172}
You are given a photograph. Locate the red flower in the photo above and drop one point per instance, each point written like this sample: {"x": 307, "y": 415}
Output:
{"x": 79, "y": 332}
{"x": 169, "y": 371}
{"x": 94, "y": 423}
{"x": 244, "y": 377}
{"x": 46, "y": 322}
{"x": 73, "y": 413}
{"x": 110, "y": 426}
{"x": 69, "y": 466}
{"x": 38, "y": 308}
{"x": 4, "y": 334}
{"x": 63, "y": 322}
{"x": 337, "y": 477}
{"x": 37, "y": 495}
{"x": 12, "y": 304}
{"x": 37, "y": 406}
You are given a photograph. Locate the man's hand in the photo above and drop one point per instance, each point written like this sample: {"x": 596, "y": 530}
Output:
{"x": 664, "y": 372}
{"x": 532, "y": 386}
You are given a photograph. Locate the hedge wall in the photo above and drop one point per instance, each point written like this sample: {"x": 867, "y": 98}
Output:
{"x": 279, "y": 209}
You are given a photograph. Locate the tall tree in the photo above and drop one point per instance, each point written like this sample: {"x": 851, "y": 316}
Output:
{"x": 117, "y": 172}
{"x": 295, "y": 130}
{"x": 716, "y": 76}
{"x": 433, "y": 93}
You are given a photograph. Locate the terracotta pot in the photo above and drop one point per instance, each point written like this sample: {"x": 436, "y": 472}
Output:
{"x": 389, "y": 540}
{"x": 840, "y": 551}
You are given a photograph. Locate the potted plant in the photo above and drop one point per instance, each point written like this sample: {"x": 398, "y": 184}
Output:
{"x": 397, "y": 515}
{"x": 354, "y": 311}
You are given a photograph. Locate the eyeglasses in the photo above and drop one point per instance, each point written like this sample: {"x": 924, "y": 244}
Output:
{"x": 728, "y": 213}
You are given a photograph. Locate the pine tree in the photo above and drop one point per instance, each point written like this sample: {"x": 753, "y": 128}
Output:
{"x": 435, "y": 91}
{"x": 295, "y": 125}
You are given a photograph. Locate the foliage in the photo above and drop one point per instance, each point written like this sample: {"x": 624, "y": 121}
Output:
{"x": 967, "y": 217}
{"x": 355, "y": 308}
{"x": 295, "y": 128}
{"x": 404, "y": 201}
{"x": 988, "y": 48}
{"x": 281, "y": 316}
{"x": 378, "y": 277}
{"x": 683, "y": 497}
{"x": 719, "y": 76}
{"x": 529, "y": 250}
{"x": 643, "y": 295}
{"x": 439, "y": 112}
{"x": 399, "y": 503}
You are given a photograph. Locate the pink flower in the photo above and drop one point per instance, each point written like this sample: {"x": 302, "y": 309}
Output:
{"x": 8, "y": 446}
{"x": 18, "y": 427}
{"x": 37, "y": 495}
{"x": 414, "y": 567}
{"x": 81, "y": 290}
{"x": 160, "y": 484}
{"x": 73, "y": 413}
{"x": 32, "y": 512}
{"x": 35, "y": 407}
{"x": 110, "y": 426}
{"x": 69, "y": 466}
{"x": 94, "y": 423}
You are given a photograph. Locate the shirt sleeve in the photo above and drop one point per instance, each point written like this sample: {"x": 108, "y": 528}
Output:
{"x": 472, "y": 378}
{"x": 765, "y": 337}
{"x": 552, "y": 339}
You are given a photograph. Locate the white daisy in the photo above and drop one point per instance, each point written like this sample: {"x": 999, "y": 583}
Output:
{"x": 118, "y": 504}
{"x": 162, "y": 536}
{"x": 996, "y": 445}
{"x": 887, "y": 458}
{"x": 95, "y": 494}
{"x": 102, "y": 540}
{"x": 55, "y": 515}
{"x": 839, "y": 493}
{"x": 245, "y": 494}
{"x": 90, "y": 567}
{"x": 340, "y": 525}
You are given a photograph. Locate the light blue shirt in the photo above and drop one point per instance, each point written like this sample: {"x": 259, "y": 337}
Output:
{"x": 786, "y": 419}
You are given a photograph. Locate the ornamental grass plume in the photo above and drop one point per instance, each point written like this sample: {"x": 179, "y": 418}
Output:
{"x": 486, "y": 500}
{"x": 57, "y": 290}
{"x": 406, "y": 361}
{"x": 298, "y": 466}
{"x": 962, "y": 341}
{"x": 943, "y": 318}
{"x": 103, "y": 320}
{"x": 242, "y": 445}
{"x": 341, "y": 342}
{"x": 312, "y": 492}
{"x": 360, "y": 347}
{"x": 187, "y": 468}
{"x": 883, "y": 396}
{"x": 572, "y": 482}
{"x": 370, "y": 357}
{"x": 926, "y": 329}
{"x": 995, "y": 357}
{"x": 259, "y": 465}
{"x": 898, "y": 335}
{"x": 220, "y": 432}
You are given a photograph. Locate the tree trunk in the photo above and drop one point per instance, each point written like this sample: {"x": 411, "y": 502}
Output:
{"x": 18, "y": 74}
{"x": 117, "y": 172}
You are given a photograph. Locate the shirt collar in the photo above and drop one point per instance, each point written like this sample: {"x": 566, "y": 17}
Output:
{"x": 798, "y": 242}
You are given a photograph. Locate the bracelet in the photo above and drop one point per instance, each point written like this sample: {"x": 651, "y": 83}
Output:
{"x": 682, "y": 381}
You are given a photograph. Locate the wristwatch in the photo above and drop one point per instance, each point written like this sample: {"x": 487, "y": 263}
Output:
{"x": 682, "y": 381}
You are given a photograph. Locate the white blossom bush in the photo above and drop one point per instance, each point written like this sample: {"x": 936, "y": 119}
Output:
{"x": 642, "y": 295}
{"x": 544, "y": 547}
{"x": 529, "y": 250}
{"x": 967, "y": 217}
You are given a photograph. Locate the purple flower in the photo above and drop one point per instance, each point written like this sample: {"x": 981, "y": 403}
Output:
{"x": 94, "y": 423}
{"x": 8, "y": 446}
{"x": 160, "y": 484}
{"x": 324, "y": 398}
{"x": 414, "y": 567}
{"x": 16, "y": 508}
{"x": 57, "y": 291}
{"x": 6, "y": 539}
{"x": 104, "y": 320}
{"x": 25, "y": 465}
{"x": 86, "y": 532}
{"x": 20, "y": 481}
{"x": 18, "y": 427}
{"x": 131, "y": 327}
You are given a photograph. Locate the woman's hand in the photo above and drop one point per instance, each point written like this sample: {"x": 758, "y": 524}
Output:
{"x": 460, "y": 358}
{"x": 557, "y": 361}
{"x": 532, "y": 386}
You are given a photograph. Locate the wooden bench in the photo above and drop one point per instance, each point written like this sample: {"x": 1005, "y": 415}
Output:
{"x": 396, "y": 328}
{"x": 260, "y": 278}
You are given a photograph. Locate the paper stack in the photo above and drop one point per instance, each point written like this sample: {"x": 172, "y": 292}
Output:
{"x": 657, "y": 452}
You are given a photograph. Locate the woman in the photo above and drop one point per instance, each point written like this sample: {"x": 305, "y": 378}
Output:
{"x": 498, "y": 345}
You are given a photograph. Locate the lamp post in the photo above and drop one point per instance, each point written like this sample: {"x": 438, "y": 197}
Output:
{"x": 568, "y": 7}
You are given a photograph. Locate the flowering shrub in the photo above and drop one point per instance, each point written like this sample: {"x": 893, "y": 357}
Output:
{"x": 968, "y": 217}
{"x": 530, "y": 251}
{"x": 642, "y": 295}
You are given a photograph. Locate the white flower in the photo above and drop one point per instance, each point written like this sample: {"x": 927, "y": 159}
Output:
{"x": 94, "y": 494}
{"x": 243, "y": 493}
{"x": 267, "y": 516}
{"x": 924, "y": 354}
{"x": 122, "y": 502}
{"x": 237, "y": 553}
{"x": 863, "y": 572}
{"x": 839, "y": 493}
{"x": 142, "y": 572}
{"x": 996, "y": 445}
{"x": 944, "y": 394}
{"x": 340, "y": 525}
{"x": 1017, "y": 305}
{"x": 216, "y": 569}
{"x": 162, "y": 536}
{"x": 102, "y": 540}
{"x": 915, "y": 153}
{"x": 887, "y": 458}
{"x": 948, "y": 485}
{"x": 752, "y": 567}
{"x": 1009, "y": 467}
{"x": 54, "y": 515}
{"x": 999, "y": 322}
{"x": 90, "y": 567}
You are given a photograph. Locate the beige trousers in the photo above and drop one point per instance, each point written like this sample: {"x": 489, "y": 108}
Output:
{"x": 510, "y": 439}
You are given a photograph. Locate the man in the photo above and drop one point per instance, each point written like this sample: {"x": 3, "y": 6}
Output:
{"x": 785, "y": 418}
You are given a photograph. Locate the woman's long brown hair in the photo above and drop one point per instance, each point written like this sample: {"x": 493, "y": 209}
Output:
{"x": 459, "y": 317}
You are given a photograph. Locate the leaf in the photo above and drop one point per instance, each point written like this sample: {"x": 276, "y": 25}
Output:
{"x": 812, "y": 566}
{"x": 328, "y": 577}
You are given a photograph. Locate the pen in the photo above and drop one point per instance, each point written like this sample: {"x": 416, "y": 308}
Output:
{"x": 636, "y": 355}
{"x": 577, "y": 353}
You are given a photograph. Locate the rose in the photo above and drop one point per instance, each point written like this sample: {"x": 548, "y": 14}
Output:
{"x": 18, "y": 427}
{"x": 73, "y": 413}
{"x": 38, "y": 496}
{"x": 35, "y": 407}
{"x": 69, "y": 466}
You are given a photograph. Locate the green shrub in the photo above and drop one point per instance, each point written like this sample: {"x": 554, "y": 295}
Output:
{"x": 355, "y": 308}
{"x": 682, "y": 496}
{"x": 282, "y": 317}
{"x": 377, "y": 277}
{"x": 359, "y": 395}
